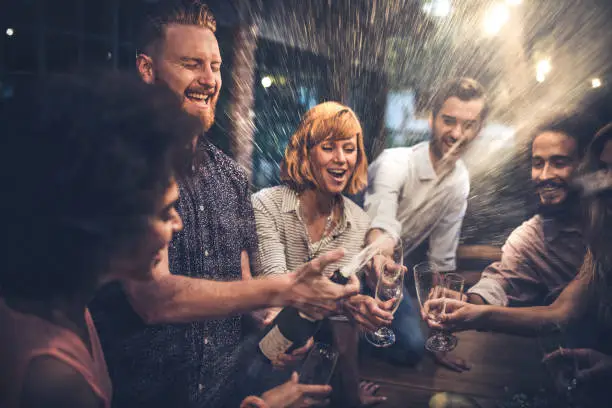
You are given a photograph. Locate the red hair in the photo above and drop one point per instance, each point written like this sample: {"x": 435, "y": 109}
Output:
{"x": 326, "y": 121}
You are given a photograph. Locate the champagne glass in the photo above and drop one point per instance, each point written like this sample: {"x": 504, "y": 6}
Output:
{"x": 430, "y": 284}
{"x": 390, "y": 286}
{"x": 452, "y": 288}
{"x": 319, "y": 366}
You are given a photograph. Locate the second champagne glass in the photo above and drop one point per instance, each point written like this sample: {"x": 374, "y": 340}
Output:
{"x": 431, "y": 284}
{"x": 390, "y": 286}
{"x": 452, "y": 288}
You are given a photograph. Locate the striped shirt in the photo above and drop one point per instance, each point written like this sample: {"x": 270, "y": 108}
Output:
{"x": 283, "y": 240}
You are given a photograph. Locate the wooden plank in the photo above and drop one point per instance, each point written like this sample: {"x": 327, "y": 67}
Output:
{"x": 484, "y": 252}
{"x": 471, "y": 277}
{"x": 399, "y": 396}
{"x": 502, "y": 365}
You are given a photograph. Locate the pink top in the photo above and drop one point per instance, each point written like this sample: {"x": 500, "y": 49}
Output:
{"x": 25, "y": 336}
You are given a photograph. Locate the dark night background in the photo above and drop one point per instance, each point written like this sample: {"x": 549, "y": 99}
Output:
{"x": 365, "y": 53}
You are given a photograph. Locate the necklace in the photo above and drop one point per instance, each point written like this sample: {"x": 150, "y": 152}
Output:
{"x": 312, "y": 252}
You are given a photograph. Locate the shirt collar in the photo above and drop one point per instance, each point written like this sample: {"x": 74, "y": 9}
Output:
{"x": 290, "y": 203}
{"x": 424, "y": 166}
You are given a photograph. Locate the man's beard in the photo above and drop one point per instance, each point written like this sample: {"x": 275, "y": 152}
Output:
{"x": 568, "y": 209}
{"x": 438, "y": 145}
{"x": 208, "y": 120}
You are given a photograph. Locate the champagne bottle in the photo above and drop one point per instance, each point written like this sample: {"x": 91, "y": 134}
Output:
{"x": 291, "y": 329}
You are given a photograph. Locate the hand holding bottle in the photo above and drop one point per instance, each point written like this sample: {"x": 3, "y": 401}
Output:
{"x": 287, "y": 360}
{"x": 315, "y": 294}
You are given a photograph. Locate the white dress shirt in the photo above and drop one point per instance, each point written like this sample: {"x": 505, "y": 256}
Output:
{"x": 405, "y": 198}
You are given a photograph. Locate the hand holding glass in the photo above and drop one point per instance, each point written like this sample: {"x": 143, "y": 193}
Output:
{"x": 390, "y": 286}
{"x": 430, "y": 284}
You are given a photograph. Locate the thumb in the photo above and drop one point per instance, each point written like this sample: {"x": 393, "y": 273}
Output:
{"x": 388, "y": 304}
{"x": 294, "y": 377}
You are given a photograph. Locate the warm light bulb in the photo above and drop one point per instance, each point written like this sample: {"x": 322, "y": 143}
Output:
{"x": 543, "y": 67}
{"x": 438, "y": 8}
{"x": 266, "y": 82}
{"x": 595, "y": 82}
{"x": 495, "y": 18}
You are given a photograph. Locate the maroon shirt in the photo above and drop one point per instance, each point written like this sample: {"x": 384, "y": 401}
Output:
{"x": 24, "y": 337}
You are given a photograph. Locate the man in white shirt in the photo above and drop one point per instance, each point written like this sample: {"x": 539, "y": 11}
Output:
{"x": 420, "y": 193}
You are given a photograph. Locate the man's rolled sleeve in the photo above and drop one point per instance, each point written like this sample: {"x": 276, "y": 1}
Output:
{"x": 490, "y": 287}
{"x": 514, "y": 275}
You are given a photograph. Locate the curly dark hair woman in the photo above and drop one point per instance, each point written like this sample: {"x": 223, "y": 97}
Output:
{"x": 87, "y": 167}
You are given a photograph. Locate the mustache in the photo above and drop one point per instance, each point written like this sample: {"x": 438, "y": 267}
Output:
{"x": 200, "y": 89}
{"x": 551, "y": 184}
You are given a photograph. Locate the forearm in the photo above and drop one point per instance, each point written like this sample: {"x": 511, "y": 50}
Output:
{"x": 523, "y": 321}
{"x": 374, "y": 235}
{"x": 180, "y": 299}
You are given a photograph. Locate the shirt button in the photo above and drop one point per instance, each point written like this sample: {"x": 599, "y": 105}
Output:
{"x": 201, "y": 387}
{"x": 206, "y": 252}
{"x": 201, "y": 208}
{"x": 206, "y": 340}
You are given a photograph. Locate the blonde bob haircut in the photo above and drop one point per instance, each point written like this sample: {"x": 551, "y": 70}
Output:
{"x": 326, "y": 121}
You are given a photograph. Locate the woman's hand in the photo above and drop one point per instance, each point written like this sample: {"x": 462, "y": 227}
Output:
{"x": 292, "y": 394}
{"x": 592, "y": 366}
{"x": 375, "y": 267}
{"x": 369, "y": 313}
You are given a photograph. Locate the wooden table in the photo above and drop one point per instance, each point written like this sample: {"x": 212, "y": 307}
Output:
{"x": 502, "y": 366}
